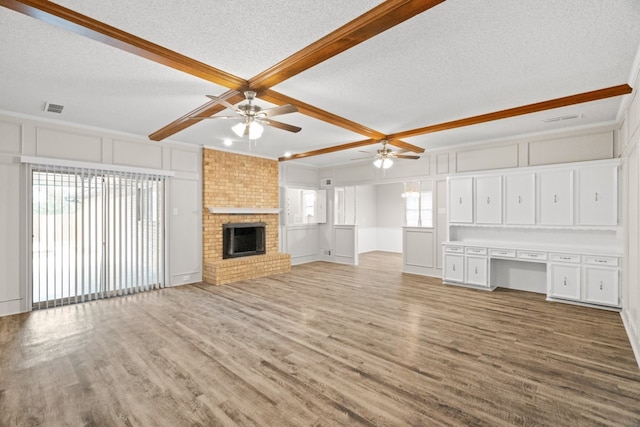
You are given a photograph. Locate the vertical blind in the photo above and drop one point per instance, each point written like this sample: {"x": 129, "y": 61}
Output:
{"x": 96, "y": 234}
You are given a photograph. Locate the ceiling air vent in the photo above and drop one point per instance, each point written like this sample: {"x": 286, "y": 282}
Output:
{"x": 561, "y": 118}
{"x": 53, "y": 108}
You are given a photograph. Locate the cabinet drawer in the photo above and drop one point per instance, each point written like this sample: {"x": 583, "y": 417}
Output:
{"x": 455, "y": 249}
{"x": 532, "y": 255}
{"x": 477, "y": 251}
{"x": 570, "y": 258}
{"x": 505, "y": 253}
{"x": 601, "y": 260}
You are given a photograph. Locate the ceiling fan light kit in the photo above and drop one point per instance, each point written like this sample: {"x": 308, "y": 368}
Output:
{"x": 383, "y": 163}
{"x": 252, "y": 128}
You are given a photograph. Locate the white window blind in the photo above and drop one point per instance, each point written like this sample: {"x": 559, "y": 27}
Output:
{"x": 96, "y": 233}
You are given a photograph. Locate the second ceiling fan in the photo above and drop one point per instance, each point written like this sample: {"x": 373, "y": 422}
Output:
{"x": 384, "y": 156}
{"x": 253, "y": 116}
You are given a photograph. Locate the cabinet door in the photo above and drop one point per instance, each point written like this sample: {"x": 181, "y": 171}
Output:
{"x": 520, "y": 197}
{"x": 453, "y": 268}
{"x": 556, "y": 198}
{"x": 489, "y": 200}
{"x": 564, "y": 281}
{"x": 476, "y": 269}
{"x": 601, "y": 285}
{"x": 461, "y": 199}
{"x": 598, "y": 195}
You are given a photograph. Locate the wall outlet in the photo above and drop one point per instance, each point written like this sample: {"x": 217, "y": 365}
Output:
{"x": 186, "y": 277}
{"x": 326, "y": 252}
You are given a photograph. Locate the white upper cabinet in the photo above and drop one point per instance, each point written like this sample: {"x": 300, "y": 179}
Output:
{"x": 556, "y": 197}
{"x": 489, "y": 199}
{"x": 461, "y": 200}
{"x": 520, "y": 199}
{"x": 598, "y": 195}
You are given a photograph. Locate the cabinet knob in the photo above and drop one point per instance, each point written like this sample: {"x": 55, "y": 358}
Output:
{"x": 601, "y": 285}
{"x": 596, "y": 196}
{"x": 476, "y": 272}
{"x": 460, "y": 201}
{"x": 564, "y": 282}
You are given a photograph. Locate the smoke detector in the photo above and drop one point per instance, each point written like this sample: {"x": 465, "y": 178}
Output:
{"x": 53, "y": 108}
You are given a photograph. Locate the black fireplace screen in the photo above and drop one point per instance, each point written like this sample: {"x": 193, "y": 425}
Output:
{"x": 243, "y": 239}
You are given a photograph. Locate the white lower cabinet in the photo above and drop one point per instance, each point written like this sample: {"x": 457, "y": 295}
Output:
{"x": 571, "y": 277}
{"x": 476, "y": 270}
{"x": 453, "y": 268}
{"x": 564, "y": 281}
{"x": 601, "y": 285}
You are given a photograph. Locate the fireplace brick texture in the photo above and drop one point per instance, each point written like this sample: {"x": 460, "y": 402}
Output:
{"x": 238, "y": 181}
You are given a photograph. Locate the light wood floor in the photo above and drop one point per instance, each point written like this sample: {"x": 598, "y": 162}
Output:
{"x": 324, "y": 345}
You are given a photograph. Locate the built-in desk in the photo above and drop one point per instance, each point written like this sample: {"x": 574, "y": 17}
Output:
{"x": 565, "y": 274}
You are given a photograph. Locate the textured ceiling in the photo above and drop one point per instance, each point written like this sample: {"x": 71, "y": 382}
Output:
{"x": 455, "y": 60}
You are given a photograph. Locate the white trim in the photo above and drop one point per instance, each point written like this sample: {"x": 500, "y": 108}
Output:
{"x": 241, "y": 211}
{"x": 97, "y": 166}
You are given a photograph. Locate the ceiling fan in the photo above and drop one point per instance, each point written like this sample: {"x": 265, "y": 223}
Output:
{"x": 253, "y": 116}
{"x": 384, "y": 156}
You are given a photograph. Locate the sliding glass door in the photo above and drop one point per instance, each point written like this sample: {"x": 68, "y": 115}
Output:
{"x": 96, "y": 234}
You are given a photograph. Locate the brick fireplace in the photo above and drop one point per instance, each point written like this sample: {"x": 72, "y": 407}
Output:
{"x": 239, "y": 189}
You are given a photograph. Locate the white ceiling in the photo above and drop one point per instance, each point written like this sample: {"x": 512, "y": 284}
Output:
{"x": 458, "y": 59}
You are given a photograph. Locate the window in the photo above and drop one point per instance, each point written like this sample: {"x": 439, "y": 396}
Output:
{"x": 418, "y": 197}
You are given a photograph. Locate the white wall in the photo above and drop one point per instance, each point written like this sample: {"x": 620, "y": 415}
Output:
{"x": 390, "y": 212}
{"x": 629, "y": 145}
{"x": 366, "y": 217}
{"x": 35, "y": 138}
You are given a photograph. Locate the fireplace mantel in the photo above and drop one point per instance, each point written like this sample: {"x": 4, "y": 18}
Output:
{"x": 242, "y": 211}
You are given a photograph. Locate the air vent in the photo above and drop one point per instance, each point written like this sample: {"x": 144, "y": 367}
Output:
{"x": 561, "y": 118}
{"x": 53, "y": 108}
{"x": 325, "y": 182}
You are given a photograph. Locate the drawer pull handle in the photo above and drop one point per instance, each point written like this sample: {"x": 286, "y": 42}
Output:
{"x": 488, "y": 200}
{"x": 555, "y": 198}
{"x": 601, "y": 284}
{"x": 596, "y": 196}
{"x": 601, "y": 260}
{"x": 460, "y": 201}
{"x": 476, "y": 272}
{"x": 565, "y": 258}
{"x": 565, "y": 281}
{"x": 454, "y": 267}
{"x": 519, "y": 199}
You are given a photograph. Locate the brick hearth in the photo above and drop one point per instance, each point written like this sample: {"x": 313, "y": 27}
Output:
{"x": 237, "y": 181}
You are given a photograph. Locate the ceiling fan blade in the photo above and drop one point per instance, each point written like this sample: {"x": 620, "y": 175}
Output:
{"x": 216, "y": 117}
{"x": 280, "y": 125}
{"x": 276, "y": 111}
{"x": 404, "y": 156}
{"x": 222, "y": 102}
{"x": 364, "y": 158}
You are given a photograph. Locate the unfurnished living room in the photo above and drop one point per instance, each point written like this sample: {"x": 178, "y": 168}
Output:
{"x": 322, "y": 213}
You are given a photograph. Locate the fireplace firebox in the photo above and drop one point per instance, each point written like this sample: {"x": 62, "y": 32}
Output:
{"x": 243, "y": 239}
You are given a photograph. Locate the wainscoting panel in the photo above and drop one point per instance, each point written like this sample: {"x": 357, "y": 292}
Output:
{"x": 302, "y": 243}
{"x": 345, "y": 240}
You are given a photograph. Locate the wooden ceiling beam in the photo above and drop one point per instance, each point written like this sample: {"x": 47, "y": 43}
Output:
{"x": 70, "y": 20}
{"x": 329, "y": 149}
{"x": 317, "y": 113}
{"x": 405, "y": 146}
{"x": 377, "y": 20}
{"x": 518, "y": 111}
